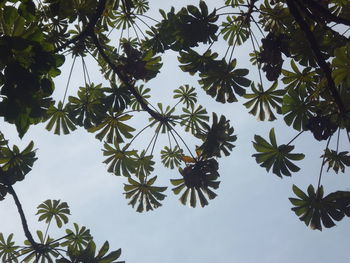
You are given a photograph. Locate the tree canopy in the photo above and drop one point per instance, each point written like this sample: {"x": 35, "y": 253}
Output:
{"x": 300, "y": 49}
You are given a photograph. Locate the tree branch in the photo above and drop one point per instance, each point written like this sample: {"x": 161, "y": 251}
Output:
{"x": 325, "y": 12}
{"x": 89, "y": 27}
{"x": 316, "y": 50}
{"x": 23, "y": 218}
{"x": 124, "y": 78}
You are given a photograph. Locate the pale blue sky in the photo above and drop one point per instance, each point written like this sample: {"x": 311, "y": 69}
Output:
{"x": 250, "y": 221}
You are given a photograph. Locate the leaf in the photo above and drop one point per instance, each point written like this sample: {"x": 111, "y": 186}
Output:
{"x": 192, "y": 62}
{"x": 194, "y": 119}
{"x": 78, "y": 238}
{"x": 336, "y": 160}
{"x": 144, "y": 193}
{"x": 234, "y": 31}
{"x": 17, "y": 164}
{"x": 112, "y": 128}
{"x": 217, "y": 138}
{"x": 59, "y": 118}
{"x": 197, "y": 180}
{"x": 56, "y": 209}
{"x": 312, "y": 208}
{"x": 340, "y": 64}
{"x": 120, "y": 161}
{"x": 187, "y": 95}
{"x": 261, "y": 101}
{"x": 144, "y": 93}
{"x": 223, "y": 81}
{"x": 297, "y": 110}
{"x": 171, "y": 157}
{"x": 9, "y": 252}
{"x": 87, "y": 109}
{"x": 279, "y": 158}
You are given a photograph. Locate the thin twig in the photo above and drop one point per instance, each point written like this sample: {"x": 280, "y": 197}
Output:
{"x": 323, "y": 163}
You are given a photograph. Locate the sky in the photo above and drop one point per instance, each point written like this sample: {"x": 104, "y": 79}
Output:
{"x": 250, "y": 220}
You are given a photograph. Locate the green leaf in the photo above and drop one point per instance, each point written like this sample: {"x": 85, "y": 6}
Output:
{"x": 56, "y": 209}
{"x": 144, "y": 193}
{"x": 197, "y": 180}
{"x": 59, "y": 118}
{"x": 260, "y": 101}
{"x": 120, "y": 161}
{"x": 112, "y": 128}
{"x": 217, "y": 138}
{"x": 223, "y": 81}
{"x": 278, "y": 157}
{"x": 313, "y": 209}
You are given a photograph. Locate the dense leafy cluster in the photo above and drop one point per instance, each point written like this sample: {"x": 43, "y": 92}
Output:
{"x": 311, "y": 95}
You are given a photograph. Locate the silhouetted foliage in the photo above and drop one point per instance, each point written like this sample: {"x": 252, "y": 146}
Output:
{"x": 312, "y": 95}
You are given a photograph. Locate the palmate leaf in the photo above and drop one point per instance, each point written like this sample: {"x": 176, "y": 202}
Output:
{"x": 194, "y": 119}
{"x": 192, "y": 62}
{"x": 87, "y": 109}
{"x": 144, "y": 93}
{"x": 274, "y": 18}
{"x": 234, "y": 31}
{"x": 297, "y": 110}
{"x": 144, "y": 193}
{"x": 120, "y": 161}
{"x": 59, "y": 118}
{"x": 144, "y": 165}
{"x": 234, "y": 3}
{"x": 336, "y": 160}
{"x": 89, "y": 255}
{"x": 141, "y": 6}
{"x": 341, "y": 64}
{"x": 112, "y": 128}
{"x": 16, "y": 164}
{"x": 198, "y": 180}
{"x": 186, "y": 94}
{"x": 312, "y": 208}
{"x": 299, "y": 80}
{"x": 118, "y": 97}
{"x": 217, "y": 138}
{"x": 223, "y": 81}
{"x": 77, "y": 239}
{"x": 171, "y": 157}
{"x": 56, "y": 209}
{"x": 261, "y": 101}
{"x": 8, "y": 250}
{"x": 278, "y": 157}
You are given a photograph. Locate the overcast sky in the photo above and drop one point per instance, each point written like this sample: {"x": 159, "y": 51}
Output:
{"x": 250, "y": 221}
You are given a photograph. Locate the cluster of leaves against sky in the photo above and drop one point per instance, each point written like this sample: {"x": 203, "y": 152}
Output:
{"x": 313, "y": 96}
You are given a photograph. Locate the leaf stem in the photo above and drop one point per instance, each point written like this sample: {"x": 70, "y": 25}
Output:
{"x": 295, "y": 137}
{"x": 324, "y": 156}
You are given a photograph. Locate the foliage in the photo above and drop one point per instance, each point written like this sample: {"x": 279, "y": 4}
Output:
{"x": 73, "y": 247}
{"x": 312, "y": 208}
{"x": 312, "y": 94}
{"x": 276, "y": 156}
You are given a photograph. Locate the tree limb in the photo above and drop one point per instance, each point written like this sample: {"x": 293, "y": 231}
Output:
{"x": 316, "y": 50}
{"x": 23, "y": 218}
{"x": 325, "y": 12}
{"x": 124, "y": 78}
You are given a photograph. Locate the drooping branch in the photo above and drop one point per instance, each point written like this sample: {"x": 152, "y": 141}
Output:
{"x": 23, "y": 218}
{"x": 317, "y": 52}
{"x": 89, "y": 27}
{"x": 124, "y": 78}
